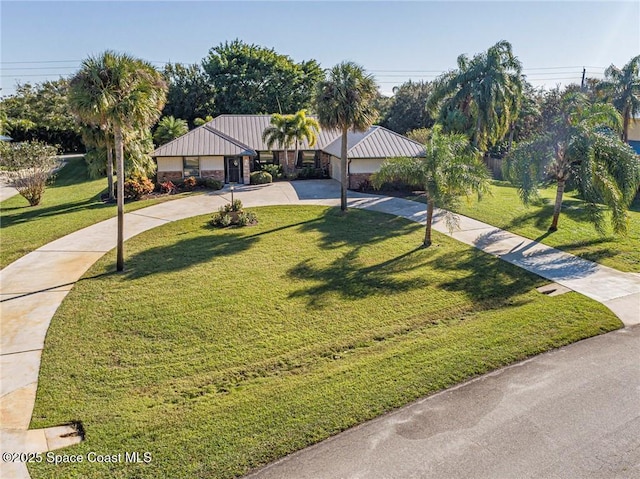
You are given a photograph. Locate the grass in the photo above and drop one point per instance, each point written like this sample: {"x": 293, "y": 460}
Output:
{"x": 576, "y": 235}
{"x": 218, "y": 351}
{"x": 72, "y": 202}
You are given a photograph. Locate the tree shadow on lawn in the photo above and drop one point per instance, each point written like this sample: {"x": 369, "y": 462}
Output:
{"x": 357, "y": 227}
{"x": 487, "y": 281}
{"x": 346, "y": 277}
{"x": 201, "y": 249}
{"x": 29, "y": 213}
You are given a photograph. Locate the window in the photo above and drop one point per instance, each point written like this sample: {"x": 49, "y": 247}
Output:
{"x": 191, "y": 166}
{"x": 308, "y": 159}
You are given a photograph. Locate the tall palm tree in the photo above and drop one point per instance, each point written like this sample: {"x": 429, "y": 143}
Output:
{"x": 344, "y": 101}
{"x": 280, "y": 132}
{"x": 486, "y": 91}
{"x": 89, "y": 99}
{"x": 125, "y": 94}
{"x": 449, "y": 169}
{"x": 303, "y": 128}
{"x": 582, "y": 147}
{"x": 169, "y": 128}
{"x": 622, "y": 87}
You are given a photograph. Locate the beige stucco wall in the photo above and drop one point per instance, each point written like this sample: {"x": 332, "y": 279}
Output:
{"x": 211, "y": 163}
{"x": 169, "y": 163}
{"x": 365, "y": 165}
{"x": 634, "y": 129}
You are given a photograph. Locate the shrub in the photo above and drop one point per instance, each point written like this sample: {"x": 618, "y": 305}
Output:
{"x": 260, "y": 178}
{"x": 213, "y": 184}
{"x": 236, "y": 205}
{"x": 189, "y": 183}
{"x": 233, "y": 215}
{"x": 274, "y": 170}
{"x": 167, "y": 187}
{"x": 135, "y": 188}
{"x": 29, "y": 166}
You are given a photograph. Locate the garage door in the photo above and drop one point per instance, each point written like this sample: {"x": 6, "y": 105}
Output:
{"x": 335, "y": 168}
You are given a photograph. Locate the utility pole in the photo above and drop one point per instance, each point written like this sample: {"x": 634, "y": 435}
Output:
{"x": 584, "y": 72}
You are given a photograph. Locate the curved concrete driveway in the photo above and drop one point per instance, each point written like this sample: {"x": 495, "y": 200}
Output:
{"x": 28, "y": 300}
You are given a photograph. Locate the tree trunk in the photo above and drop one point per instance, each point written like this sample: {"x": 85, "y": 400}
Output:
{"x": 512, "y": 130}
{"x": 285, "y": 167}
{"x": 110, "y": 170}
{"x": 475, "y": 137}
{"x": 427, "y": 233}
{"x": 119, "y": 146}
{"x": 295, "y": 157}
{"x": 625, "y": 127}
{"x": 557, "y": 206}
{"x": 344, "y": 177}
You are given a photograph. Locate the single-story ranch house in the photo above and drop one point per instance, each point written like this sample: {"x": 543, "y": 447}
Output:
{"x": 229, "y": 147}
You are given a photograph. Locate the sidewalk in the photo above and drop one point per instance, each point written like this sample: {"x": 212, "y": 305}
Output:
{"x": 28, "y": 301}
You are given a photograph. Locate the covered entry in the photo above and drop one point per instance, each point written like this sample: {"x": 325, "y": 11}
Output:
{"x": 233, "y": 169}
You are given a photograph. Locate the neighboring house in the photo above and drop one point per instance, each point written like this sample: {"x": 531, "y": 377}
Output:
{"x": 634, "y": 134}
{"x": 229, "y": 147}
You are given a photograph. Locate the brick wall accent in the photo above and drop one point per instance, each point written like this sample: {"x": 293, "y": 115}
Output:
{"x": 217, "y": 174}
{"x": 169, "y": 176}
{"x": 355, "y": 179}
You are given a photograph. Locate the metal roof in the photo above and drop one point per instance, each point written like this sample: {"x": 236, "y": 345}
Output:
{"x": 203, "y": 141}
{"x": 377, "y": 142}
{"x": 242, "y": 135}
{"x": 248, "y": 129}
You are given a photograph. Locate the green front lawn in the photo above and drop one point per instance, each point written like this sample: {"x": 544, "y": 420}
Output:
{"x": 71, "y": 203}
{"x": 575, "y": 235}
{"x": 218, "y": 351}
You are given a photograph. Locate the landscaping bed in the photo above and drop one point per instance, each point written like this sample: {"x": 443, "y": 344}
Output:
{"x": 219, "y": 350}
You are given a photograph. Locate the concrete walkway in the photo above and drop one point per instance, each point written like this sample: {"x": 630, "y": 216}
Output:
{"x": 32, "y": 288}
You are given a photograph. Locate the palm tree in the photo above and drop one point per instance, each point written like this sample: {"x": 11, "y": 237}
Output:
{"x": 125, "y": 94}
{"x": 344, "y": 101}
{"x": 88, "y": 100}
{"x": 582, "y": 147}
{"x": 280, "y": 132}
{"x": 169, "y": 128}
{"x": 304, "y": 128}
{"x": 622, "y": 87}
{"x": 486, "y": 91}
{"x": 450, "y": 168}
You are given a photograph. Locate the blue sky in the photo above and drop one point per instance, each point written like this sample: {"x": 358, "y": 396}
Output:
{"x": 393, "y": 40}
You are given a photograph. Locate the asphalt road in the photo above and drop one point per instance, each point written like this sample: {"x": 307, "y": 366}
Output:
{"x": 570, "y": 413}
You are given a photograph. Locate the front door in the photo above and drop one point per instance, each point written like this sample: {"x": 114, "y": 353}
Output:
{"x": 233, "y": 169}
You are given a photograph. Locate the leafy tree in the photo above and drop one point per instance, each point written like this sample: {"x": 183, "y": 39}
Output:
{"x": 450, "y": 169}
{"x": 202, "y": 121}
{"x": 408, "y": 109}
{"x": 127, "y": 95}
{"x": 303, "y": 127}
{"x": 251, "y": 79}
{"x": 169, "y": 128}
{"x": 622, "y": 87}
{"x": 344, "y": 101}
{"x": 29, "y": 165}
{"x": 421, "y": 135}
{"x": 280, "y": 132}
{"x": 190, "y": 95}
{"x": 581, "y": 147}
{"x": 482, "y": 97}
{"x": 41, "y": 112}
